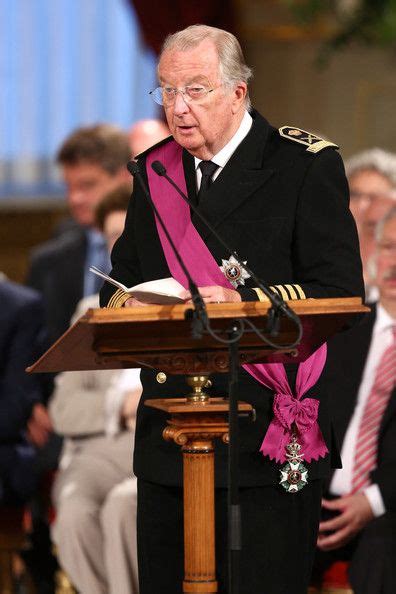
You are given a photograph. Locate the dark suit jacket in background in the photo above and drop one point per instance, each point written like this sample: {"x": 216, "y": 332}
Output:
{"x": 22, "y": 341}
{"x": 373, "y": 553}
{"x": 57, "y": 272}
{"x": 285, "y": 211}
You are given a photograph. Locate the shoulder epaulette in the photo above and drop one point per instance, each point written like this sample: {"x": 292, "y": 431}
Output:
{"x": 313, "y": 143}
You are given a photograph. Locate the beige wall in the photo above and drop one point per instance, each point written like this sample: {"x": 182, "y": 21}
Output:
{"x": 352, "y": 101}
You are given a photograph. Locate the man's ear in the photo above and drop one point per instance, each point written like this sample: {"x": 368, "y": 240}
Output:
{"x": 239, "y": 95}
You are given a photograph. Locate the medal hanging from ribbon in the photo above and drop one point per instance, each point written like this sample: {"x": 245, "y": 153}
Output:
{"x": 294, "y": 432}
{"x": 293, "y": 475}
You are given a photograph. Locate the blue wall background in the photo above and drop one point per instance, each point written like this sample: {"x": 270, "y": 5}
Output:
{"x": 65, "y": 64}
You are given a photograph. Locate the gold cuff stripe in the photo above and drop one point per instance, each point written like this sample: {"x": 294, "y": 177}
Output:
{"x": 114, "y": 298}
{"x": 301, "y": 294}
{"x": 282, "y": 292}
{"x": 288, "y": 292}
{"x": 118, "y": 299}
{"x": 274, "y": 289}
{"x": 292, "y": 291}
{"x": 122, "y": 299}
{"x": 260, "y": 294}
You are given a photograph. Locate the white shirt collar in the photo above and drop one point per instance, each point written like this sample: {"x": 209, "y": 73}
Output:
{"x": 226, "y": 152}
{"x": 383, "y": 321}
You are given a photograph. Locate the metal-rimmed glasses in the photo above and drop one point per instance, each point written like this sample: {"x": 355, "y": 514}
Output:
{"x": 190, "y": 93}
{"x": 387, "y": 248}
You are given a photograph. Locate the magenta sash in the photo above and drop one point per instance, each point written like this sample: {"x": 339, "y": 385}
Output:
{"x": 289, "y": 410}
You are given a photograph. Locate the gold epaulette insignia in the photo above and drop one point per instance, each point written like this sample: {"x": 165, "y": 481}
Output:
{"x": 118, "y": 299}
{"x": 313, "y": 143}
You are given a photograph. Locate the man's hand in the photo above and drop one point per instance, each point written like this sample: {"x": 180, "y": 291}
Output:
{"x": 39, "y": 426}
{"x": 132, "y": 302}
{"x": 354, "y": 513}
{"x": 214, "y": 294}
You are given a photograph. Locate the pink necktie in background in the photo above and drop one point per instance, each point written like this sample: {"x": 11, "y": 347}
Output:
{"x": 367, "y": 439}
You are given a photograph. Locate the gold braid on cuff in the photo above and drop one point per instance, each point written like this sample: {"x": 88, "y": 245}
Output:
{"x": 287, "y": 292}
{"x": 118, "y": 299}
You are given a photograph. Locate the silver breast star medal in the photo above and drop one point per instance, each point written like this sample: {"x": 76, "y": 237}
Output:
{"x": 294, "y": 475}
{"x": 234, "y": 272}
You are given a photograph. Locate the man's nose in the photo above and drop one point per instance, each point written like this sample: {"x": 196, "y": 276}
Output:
{"x": 75, "y": 196}
{"x": 180, "y": 106}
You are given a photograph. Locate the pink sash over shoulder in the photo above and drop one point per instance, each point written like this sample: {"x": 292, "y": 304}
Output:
{"x": 291, "y": 412}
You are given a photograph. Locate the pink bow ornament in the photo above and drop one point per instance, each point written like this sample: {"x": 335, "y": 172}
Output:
{"x": 294, "y": 416}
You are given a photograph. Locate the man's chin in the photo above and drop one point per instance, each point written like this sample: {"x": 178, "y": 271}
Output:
{"x": 84, "y": 221}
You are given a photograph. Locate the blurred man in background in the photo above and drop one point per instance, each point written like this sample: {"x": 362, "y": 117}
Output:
{"x": 359, "y": 519}
{"x": 93, "y": 162}
{"x": 372, "y": 184}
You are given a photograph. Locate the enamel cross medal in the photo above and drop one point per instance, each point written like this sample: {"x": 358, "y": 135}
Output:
{"x": 234, "y": 272}
{"x": 294, "y": 475}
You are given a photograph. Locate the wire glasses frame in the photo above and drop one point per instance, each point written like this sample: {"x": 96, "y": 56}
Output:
{"x": 191, "y": 94}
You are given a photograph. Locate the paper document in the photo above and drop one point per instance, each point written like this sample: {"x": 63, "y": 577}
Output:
{"x": 161, "y": 291}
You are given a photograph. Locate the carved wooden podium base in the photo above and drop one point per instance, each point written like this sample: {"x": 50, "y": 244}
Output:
{"x": 195, "y": 425}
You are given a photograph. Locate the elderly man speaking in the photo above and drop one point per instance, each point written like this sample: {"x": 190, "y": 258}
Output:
{"x": 280, "y": 198}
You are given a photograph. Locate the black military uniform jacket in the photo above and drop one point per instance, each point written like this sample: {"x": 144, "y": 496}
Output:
{"x": 284, "y": 210}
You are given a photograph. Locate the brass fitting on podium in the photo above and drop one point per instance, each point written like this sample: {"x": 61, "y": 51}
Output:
{"x": 197, "y": 383}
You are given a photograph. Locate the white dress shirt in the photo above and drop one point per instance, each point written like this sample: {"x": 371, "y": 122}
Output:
{"x": 227, "y": 151}
{"x": 341, "y": 484}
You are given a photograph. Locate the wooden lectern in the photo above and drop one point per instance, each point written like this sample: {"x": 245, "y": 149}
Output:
{"x": 159, "y": 337}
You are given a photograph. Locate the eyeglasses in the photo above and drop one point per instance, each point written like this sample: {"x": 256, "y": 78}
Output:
{"x": 369, "y": 197}
{"x": 191, "y": 94}
{"x": 387, "y": 248}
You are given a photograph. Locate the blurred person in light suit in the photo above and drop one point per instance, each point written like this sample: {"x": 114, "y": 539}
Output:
{"x": 94, "y": 491}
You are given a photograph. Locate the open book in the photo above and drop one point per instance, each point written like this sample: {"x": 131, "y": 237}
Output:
{"x": 161, "y": 291}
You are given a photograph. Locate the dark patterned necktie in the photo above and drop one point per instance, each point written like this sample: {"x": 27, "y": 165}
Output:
{"x": 207, "y": 168}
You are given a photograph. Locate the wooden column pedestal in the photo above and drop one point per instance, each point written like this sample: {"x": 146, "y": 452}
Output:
{"x": 194, "y": 426}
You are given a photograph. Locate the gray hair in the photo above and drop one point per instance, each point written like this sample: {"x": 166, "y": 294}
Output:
{"x": 233, "y": 68}
{"x": 375, "y": 159}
